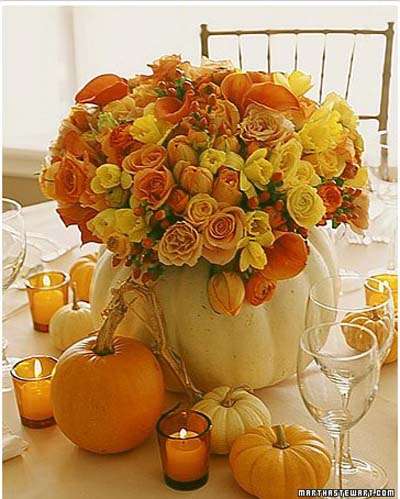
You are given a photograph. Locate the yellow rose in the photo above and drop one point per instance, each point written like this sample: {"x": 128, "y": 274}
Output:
{"x": 322, "y": 131}
{"x": 252, "y": 255}
{"x": 119, "y": 244}
{"x": 134, "y": 227}
{"x": 297, "y": 82}
{"x": 305, "y": 206}
{"x": 360, "y": 180}
{"x": 336, "y": 103}
{"x": 212, "y": 159}
{"x": 286, "y": 156}
{"x": 258, "y": 228}
{"x": 258, "y": 169}
{"x": 122, "y": 109}
{"x": 103, "y": 224}
{"x": 109, "y": 176}
{"x": 327, "y": 164}
{"x": 149, "y": 130}
{"x": 302, "y": 173}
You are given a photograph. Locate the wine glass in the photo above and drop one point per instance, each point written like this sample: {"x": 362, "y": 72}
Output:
{"x": 367, "y": 302}
{"x": 13, "y": 250}
{"x": 338, "y": 381}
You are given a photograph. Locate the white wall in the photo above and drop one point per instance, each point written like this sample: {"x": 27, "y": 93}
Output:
{"x": 46, "y": 61}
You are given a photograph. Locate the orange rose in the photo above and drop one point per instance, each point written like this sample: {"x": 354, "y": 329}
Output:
{"x": 153, "y": 186}
{"x": 148, "y": 156}
{"x": 194, "y": 179}
{"x": 120, "y": 138}
{"x": 179, "y": 148}
{"x": 178, "y": 200}
{"x": 259, "y": 289}
{"x": 331, "y": 196}
{"x": 226, "y": 187}
{"x": 226, "y": 293}
{"x": 265, "y": 125}
{"x": 222, "y": 233}
{"x": 70, "y": 179}
{"x": 350, "y": 170}
{"x": 200, "y": 208}
{"x": 181, "y": 244}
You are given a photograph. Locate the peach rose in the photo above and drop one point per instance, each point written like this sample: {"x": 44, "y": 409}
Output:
{"x": 200, "y": 208}
{"x": 265, "y": 125}
{"x": 181, "y": 244}
{"x": 226, "y": 187}
{"x": 194, "y": 179}
{"x": 178, "y": 200}
{"x": 226, "y": 293}
{"x": 259, "y": 289}
{"x": 222, "y": 233}
{"x": 70, "y": 179}
{"x": 148, "y": 156}
{"x": 153, "y": 186}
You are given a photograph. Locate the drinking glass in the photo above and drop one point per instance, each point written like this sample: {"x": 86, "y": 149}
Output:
{"x": 345, "y": 298}
{"x": 14, "y": 249}
{"x": 338, "y": 381}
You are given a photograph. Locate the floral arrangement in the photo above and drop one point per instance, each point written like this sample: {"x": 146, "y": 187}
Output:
{"x": 207, "y": 162}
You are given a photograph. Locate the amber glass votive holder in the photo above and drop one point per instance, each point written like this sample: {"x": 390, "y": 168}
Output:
{"x": 375, "y": 294}
{"x": 47, "y": 292}
{"x": 32, "y": 383}
{"x": 184, "y": 442}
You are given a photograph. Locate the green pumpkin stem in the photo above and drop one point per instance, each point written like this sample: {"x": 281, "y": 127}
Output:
{"x": 281, "y": 442}
{"x": 75, "y": 304}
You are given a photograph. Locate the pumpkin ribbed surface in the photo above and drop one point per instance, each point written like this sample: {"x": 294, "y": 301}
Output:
{"x": 269, "y": 472}
{"x": 258, "y": 347}
{"x": 107, "y": 403}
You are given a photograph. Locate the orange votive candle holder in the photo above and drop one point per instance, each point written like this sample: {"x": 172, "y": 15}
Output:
{"x": 47, "y": 292}
{"x": 374, "y": 291}
{"x": 32, "y": 383}
{"x": 184, "y": 442}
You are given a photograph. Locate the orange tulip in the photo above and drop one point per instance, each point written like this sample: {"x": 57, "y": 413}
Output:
{"x": 177, "y": 201}
{"x": 287, "y": 257}
{"x": 102, "y": 90}
{"x": 259, "y": 289}
{"x": 226, "y": 293}
{"x": 234, "y": 88}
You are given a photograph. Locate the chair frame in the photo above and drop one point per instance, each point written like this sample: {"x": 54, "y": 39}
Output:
{"x": 388, "y": 33}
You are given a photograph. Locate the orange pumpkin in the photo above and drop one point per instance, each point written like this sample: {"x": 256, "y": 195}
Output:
{"x": 107, "y": 393}
{"x": 274, "y": 462}
{"x": 81, "y": 272}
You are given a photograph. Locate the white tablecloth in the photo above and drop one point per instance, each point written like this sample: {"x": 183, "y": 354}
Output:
{"x": 53, "y": 467}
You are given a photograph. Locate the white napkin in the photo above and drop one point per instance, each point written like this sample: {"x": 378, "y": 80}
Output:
{"x": 13, "y": 445}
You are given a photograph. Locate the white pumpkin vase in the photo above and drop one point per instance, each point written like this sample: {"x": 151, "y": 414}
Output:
{"x": 258, "y": 347}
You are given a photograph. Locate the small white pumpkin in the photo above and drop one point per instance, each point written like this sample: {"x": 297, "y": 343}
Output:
{"x": 71, "y": 323}
{"x": 232, "y": 411}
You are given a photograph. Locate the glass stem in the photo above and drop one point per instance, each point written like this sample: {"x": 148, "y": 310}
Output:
{"x": 347, "y": 462}
{"x": 392, "y": 258}
{"x": 4, "y": 360}
{"x": 338, "y": 457}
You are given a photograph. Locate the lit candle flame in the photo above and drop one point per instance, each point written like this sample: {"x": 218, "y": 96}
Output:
{"x": 183, "y": 433}
{"x": 46, "y": 281}
{"x": 37, "y": 368}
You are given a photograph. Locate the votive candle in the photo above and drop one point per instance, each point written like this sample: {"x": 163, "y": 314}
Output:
{"x": 47, "y": 292}
{"x": 32, "y": 383}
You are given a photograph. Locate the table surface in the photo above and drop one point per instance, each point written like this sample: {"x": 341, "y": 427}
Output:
{"x": 54, "y": 467}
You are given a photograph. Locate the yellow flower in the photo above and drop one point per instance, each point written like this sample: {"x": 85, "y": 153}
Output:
{"x": 109, "y": 176}
{"x": 252, "y": 255}
{"x": 105, "y": 122}
{"x": 258, "y": 169}
{"x": 119, "y": 244}
{"x": 360, "y": 180}
{"x": 121, "y": 109}
{"x": 322, "y": 131}
{"x": 336, "y": 103}
{"x": 297, "y": 82}
{"x": 149, "y": 130}
{"x": 134, "y": 227}
{"x": 305, "y": 206}
{"x": 302, "y": 173}
{"x": 258, "y": 228}
{"x": 103, "y": 224}
{"x": 286, "y": 155}
{"x": 116, "y": 197}
{"x": 327, "y": 164}
{"x": 212, "y": 159}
